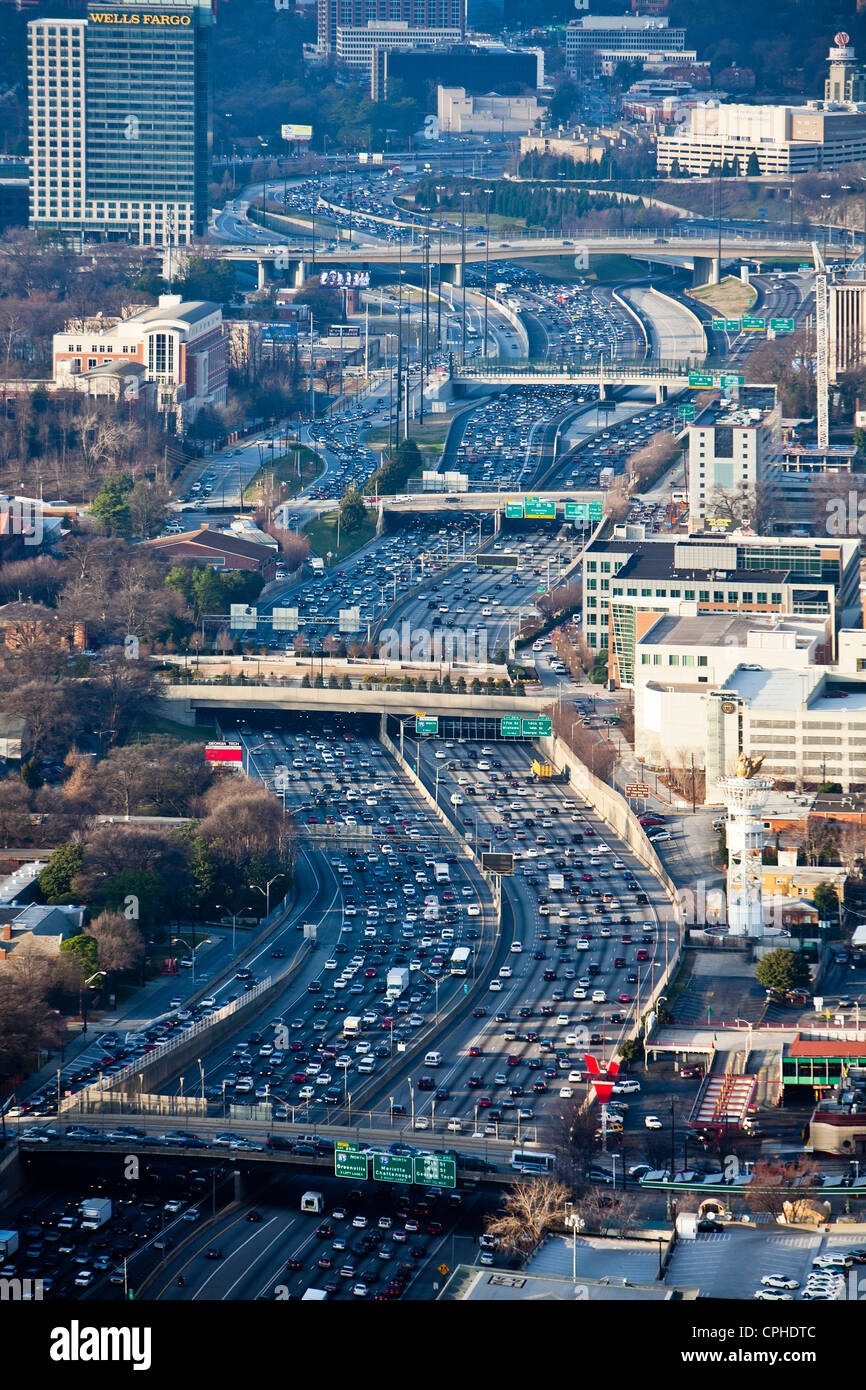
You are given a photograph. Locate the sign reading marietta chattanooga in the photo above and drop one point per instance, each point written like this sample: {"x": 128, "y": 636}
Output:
{"x": 139, "y": 17}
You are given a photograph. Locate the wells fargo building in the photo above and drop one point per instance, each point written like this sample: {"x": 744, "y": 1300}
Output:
{"x": 120, "y": 122}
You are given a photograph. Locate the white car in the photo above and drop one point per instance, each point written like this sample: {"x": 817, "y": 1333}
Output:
{"x": 566, "y": 1092}
{"x": 652, "y": 1122}
{"x": 516, "y": 948}
{"x": 421, "y": 1122}
{"x": 473, "y": 910}
{"x": 495, "y": 985}
{"x": 307, "y": 1092}
{"x": 771, "y": 1297}
{"x": 779, "y": 1281}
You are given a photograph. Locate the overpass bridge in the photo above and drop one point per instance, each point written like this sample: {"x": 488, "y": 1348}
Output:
{"x": 412, "y": 503}
{"x": 700, "y": 249}
{"x": 604, "y": 372}
{"x": 181, "y": 702}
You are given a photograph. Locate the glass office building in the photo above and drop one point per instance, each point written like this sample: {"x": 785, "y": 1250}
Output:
{"x": 140, "y": 169}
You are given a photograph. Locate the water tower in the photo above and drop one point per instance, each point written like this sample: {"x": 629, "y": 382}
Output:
{"x": 745, "y": 796}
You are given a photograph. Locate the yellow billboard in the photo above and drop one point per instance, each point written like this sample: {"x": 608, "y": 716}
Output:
{"x": 296, "y": 132}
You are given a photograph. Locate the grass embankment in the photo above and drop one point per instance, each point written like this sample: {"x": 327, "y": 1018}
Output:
{"x": 731, "y": 297}
{"x": 322, "y": 535}
{"x": 149, "y": 724}
{"x": 603, "y": 270}
{"x": 282, "y": 475}
{"x": 429, "y": 436}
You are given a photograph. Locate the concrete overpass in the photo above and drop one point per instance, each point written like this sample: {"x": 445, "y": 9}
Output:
{"x": 604, "y": 372}
{"x": 480, "y": 501}
{"x": 180, "y": 702}
{"x": 699, "y": 250}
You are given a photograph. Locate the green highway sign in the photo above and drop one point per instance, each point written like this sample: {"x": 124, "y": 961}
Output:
{"x": 753, "y": 325}
{"x": 509, "y": 726}
{"x": 541, "y": 588}
{"x": 392, "y": 1167}
{"x": 595, "y": 511}
{"x": 436, "y": 1170}
{"x": 350, "y": 1163}
{"x": 426, "y": 724}
{"x": 576, "y": 511}
{"x": 718, "y": 325}
{"x": 686, "y": 412}
{"x": 732, "y": 325}
{"x": 782, "y": 325}
{"x": 805, "y": 266}
{"x": 538, "y": 509}
{"x": 514, "y": 508}
{"x": 539, "y": 726}
{"x": 700, "y": 380}
{"x": 730, "y": 379}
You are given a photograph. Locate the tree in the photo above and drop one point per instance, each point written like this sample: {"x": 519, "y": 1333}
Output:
{"x": 353, "y": 513}
{"x": 111, "y": 505}
{"x": 753, "y": 167}
{"x": 14, "y": 811}
{"x": 83, "y": 949}
{"x": 119, "y": 942}
{"x": 771, "y": 1184}
{"x": 55, "y": 880}
{"x": 531, "y": 1210}
{"x": 826, "y": 900}
{"x": 782, "y": 969}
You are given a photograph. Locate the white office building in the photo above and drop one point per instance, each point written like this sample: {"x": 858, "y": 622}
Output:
{"x": 729, "y": 447}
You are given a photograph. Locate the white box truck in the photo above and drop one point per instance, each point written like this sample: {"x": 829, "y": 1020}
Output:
{"x": 95, "y": 1211}
{"x": 351, "y": 1025}
{"x": 441, "y": 873}
{"x": 556, "y": 883}
{"x": 8, "y": 1244}
{"x": 396, "y": 981}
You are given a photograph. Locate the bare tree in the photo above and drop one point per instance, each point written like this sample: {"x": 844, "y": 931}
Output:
{"x": 532, "y": 1209}
{"x": 120, "y": 945}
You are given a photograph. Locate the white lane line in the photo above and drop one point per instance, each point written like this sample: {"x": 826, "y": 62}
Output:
{"x": 200, "y": 1291}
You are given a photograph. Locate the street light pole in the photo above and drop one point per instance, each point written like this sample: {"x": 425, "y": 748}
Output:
{"x": 488, "y": 192}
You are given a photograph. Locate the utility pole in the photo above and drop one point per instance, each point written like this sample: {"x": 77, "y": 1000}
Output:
{"x": 822, "y": 347}
{"x": 464, "y": 195}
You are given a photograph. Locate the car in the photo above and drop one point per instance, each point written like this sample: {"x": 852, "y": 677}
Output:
{"x": 652, "y": 1122}
{"x": 770, "y": 1296}
{"x": 213, "y": 1252}
{"x": 254, "y": 1216}
{"x": 359, "y": 1222}
{"x": 779, "y": 1281}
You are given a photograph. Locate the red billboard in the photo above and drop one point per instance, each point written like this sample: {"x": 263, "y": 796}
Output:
{"x": 224, "y": 753}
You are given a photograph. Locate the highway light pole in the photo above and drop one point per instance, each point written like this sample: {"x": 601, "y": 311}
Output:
{"x": 464, "y": 195}
{"x": 439, "y": 188}
{"x": 220, "y": 907}
{"x": 488, "y": 192}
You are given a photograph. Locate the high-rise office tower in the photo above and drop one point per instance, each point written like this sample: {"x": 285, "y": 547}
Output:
{"x": 120, "y": 122}
{"x": 357, "y": 14}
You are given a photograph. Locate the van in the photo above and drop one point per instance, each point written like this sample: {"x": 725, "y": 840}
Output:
{"x": 433, "y": 1059}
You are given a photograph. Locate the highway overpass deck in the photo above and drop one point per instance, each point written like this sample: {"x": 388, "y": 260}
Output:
{"x": 180, "y": 702}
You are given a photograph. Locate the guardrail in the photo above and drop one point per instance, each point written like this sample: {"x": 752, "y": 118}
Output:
{"x": 157, "y": 1054}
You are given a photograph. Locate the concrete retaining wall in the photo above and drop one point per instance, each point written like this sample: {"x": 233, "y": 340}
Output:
{"x": 179, "y": 702}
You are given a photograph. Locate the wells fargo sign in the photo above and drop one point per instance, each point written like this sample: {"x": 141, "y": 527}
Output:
{"x": 175, "y": 21}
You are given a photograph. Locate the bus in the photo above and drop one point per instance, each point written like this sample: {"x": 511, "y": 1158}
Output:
{"x": 314, "y": 1202}
{"x": 460, "y": 960}
{"x": 532, "y": 1161}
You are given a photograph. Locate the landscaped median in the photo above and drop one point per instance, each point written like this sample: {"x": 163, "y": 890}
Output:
{"x": 285, "y": 476}
{"x": 322, "y": 535}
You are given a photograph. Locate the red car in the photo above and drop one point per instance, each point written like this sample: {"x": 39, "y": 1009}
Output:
{"x": 479, "y": 1013}
{"x": 513, "y": 1059}
{"x": 370, "y": 974}
{"x": 484, "y": 1103}
{"x": 624, "y": 998}
{"x": 475, "y": 1052}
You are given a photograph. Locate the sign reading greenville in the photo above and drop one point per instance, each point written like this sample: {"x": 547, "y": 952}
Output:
{"x": 176, "y": 21}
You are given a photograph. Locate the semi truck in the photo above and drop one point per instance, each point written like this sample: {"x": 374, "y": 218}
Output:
{"x": 8, "y": 1244}
{"x": 95, "y": 1211}
{"x": 396, "y": 981}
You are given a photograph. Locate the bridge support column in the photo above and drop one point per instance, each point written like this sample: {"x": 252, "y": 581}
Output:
{"x": 452, "y": 274}
{"x": 265, "y": 272}
{"x": 706, "y": 271}
{"x": 661, "y": 394}
{"x": 605, "y": 390}
{"x": 302, "y": 270}
{"x": 239, "y": 1185}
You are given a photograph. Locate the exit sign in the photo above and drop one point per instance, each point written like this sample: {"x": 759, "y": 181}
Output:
{"x": 782, "y": 325}
{"x": 700, "y": 381}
